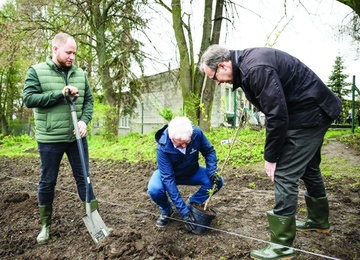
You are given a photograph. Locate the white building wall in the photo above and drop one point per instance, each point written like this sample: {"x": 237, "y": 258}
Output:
{"x": 164, "y": 91}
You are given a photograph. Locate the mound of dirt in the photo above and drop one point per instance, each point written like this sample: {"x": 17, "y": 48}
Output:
{"x": 121, "y": 188}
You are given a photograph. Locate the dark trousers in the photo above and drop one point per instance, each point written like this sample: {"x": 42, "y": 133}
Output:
{"x": 51, "y": 155}
{"x": 300, "y": 159}
{"x": 158, "y": 193}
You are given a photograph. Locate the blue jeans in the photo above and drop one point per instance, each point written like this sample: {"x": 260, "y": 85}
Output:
{"x": 158, "y": 194}
{"x": 51, "y": 155}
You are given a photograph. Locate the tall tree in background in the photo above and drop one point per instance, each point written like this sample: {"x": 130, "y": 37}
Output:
{"x": 106, "y": 49}
{"x": 197, "y": 91}
{"x": 106, "y": 46}
{"x": 110, "y": 26}
{"x": 352, "y": 28}
{"x": 337, "y": 83}
{"x": 14, "y": 61}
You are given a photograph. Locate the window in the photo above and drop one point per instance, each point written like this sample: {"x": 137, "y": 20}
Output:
{"x": 124, "y": 122}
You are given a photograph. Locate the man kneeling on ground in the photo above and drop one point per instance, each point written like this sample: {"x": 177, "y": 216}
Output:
{"x": 177, "y": 155}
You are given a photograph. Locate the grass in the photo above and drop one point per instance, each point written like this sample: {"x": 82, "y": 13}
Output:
{"x": 247, "y": 151}
{"x": 13, "y": 146}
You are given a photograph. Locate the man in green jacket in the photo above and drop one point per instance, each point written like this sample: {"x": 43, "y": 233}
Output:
{"x": 44, "y": 90}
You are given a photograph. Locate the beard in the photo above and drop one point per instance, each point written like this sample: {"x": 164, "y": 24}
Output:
{"x": 65, "y": 64}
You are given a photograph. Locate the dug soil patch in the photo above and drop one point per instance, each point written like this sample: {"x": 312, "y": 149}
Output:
{"x": 121, "y": 188}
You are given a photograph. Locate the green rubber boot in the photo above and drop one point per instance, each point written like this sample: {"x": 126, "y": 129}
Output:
{"x": 317, "y": 216}
{"x": 283, "y": 233}
{"x": 45, "y": 219}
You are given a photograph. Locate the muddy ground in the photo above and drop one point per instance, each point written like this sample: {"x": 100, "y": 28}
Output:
{"x": 240, "y": 224}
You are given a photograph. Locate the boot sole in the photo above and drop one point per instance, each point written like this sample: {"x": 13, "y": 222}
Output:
{"x": 279, "y": 258}
{"x": 161, "y": 226}
{"x": 42, "y": 242}
{"x": 323, "y": 231}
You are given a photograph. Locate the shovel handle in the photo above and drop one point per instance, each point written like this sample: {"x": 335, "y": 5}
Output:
{"x": 69, "y": 100}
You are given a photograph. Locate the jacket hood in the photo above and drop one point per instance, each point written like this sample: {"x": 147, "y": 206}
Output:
{"x": 160, "y": 134}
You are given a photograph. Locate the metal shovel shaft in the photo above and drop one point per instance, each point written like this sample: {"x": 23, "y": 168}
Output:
{"x": 92, "y": 220}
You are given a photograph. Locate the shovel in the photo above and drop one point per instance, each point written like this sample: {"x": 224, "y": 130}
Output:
{"x": 92, "y": 220}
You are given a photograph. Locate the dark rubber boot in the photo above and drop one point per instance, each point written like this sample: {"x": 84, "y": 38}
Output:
{"x": 317, "y": 216}
{"x": 283, "y": 233}
{"x": 45, "y": 219}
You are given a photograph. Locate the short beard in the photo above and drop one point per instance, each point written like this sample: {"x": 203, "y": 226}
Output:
{"x": 63, "y": 65}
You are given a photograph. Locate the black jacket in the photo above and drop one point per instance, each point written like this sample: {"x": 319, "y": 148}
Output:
{"x": 290, "y": 94}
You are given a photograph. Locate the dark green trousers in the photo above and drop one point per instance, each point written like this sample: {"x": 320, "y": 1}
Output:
{"x": 300, "y": 159}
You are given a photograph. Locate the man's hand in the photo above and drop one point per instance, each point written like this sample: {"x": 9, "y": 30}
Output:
{"x": 270, "y": 170}
{"x": 216, "y": 180}
{"x": 190, "y": 220}
{"x": 82, "y": 128}
{"x": 73, "y": 91}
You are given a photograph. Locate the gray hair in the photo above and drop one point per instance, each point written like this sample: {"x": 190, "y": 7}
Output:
{"x": 180, "y": 128}
{"x": 213, "y": 55}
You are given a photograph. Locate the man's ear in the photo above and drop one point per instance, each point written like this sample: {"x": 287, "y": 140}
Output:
{"x": 225, "y": 64}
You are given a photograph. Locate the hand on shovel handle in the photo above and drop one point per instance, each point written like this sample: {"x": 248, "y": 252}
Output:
{"x": 82, "y": 128}
{"x": 70, "y": 90}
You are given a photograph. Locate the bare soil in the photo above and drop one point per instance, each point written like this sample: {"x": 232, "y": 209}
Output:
{"x": 121, "y": 187}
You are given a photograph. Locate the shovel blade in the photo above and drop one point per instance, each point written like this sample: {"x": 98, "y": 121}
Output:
{"x": 96, "y": 226}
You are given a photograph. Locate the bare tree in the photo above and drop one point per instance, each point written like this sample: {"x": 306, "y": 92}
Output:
{"x": 197, "y": 91}
{"x": 352, "y": 28}
{"x": 106, "y": 45}
{"x": 14, "y": 61}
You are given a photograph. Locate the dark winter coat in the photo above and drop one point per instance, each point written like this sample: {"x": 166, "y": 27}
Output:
{"x": 290, "y": 94}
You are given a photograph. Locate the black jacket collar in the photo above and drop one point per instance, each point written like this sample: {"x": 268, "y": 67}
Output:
{"x": 236, "y": 61}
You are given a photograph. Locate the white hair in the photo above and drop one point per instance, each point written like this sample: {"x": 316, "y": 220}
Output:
{"x": 180, "y": 128}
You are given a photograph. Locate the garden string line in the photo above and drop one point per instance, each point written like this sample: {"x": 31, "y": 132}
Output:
{"x": 180, "y": 220}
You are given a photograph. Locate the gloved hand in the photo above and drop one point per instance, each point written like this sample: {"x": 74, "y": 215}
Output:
{"x": 190, "y": 220}
{"x": 216, "y": 180}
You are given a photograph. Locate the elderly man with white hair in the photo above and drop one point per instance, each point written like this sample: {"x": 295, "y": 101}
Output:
{"x": 177, "y": 154}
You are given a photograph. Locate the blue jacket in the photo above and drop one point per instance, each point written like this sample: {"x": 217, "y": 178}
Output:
{"x": 290, "y": 94}
{"x": 173, "y": 164}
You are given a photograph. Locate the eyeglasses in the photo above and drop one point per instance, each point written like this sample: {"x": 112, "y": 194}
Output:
{"x": 214, "y": 77}
{"x": 180, "y": 143}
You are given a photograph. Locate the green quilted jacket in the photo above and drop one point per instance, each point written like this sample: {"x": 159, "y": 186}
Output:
{"x": 43, "y": 92}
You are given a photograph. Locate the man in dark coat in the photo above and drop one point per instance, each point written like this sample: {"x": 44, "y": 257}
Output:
{"x": 299, "y": 109}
